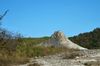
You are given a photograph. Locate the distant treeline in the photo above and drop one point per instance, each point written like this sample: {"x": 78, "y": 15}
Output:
{"x": 89, "y": 40}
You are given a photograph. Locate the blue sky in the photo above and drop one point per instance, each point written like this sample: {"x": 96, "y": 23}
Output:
{"x": 39, "y": 18}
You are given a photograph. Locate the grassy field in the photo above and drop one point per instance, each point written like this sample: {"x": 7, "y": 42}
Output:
{"x": 26, "y": 49}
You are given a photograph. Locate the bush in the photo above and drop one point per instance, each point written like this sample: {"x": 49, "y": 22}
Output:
{"x": 90, "y": 40}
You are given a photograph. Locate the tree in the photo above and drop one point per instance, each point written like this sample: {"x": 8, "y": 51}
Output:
{"x": 2, "y": 16}
{"x": 89, "y": 40}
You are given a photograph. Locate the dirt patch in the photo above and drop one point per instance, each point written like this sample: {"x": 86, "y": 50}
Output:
{"x": 72, "y": 55}
{"x": 34, "y": 64}
{"x": 92, "y": 63}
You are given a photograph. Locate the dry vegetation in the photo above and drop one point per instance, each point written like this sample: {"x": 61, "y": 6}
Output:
{"x": 23, "y": 53}
{"x": 18, "y": 50}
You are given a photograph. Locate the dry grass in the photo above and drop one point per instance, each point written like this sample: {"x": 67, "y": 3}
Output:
{"x": 23, "y": 53}
{"x": 7, "y": 60}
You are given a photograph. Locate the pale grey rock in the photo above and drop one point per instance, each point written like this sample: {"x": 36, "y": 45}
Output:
{"x": 58, "y": 39}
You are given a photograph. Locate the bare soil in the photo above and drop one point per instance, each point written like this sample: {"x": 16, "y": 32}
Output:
{"x": 76, "y": 58}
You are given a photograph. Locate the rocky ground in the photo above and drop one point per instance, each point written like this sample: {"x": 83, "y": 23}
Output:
{"x": 78, "y": 58}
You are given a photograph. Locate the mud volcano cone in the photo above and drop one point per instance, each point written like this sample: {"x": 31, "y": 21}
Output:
{"x": 58, "y": 39}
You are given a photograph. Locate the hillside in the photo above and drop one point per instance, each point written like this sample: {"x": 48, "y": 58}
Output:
{"x": 89, "y": 40}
